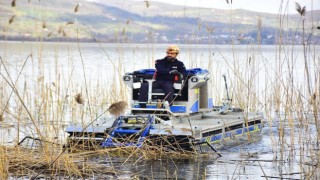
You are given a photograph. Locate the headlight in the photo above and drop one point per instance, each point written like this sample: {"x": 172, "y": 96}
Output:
{"x": 126, "y": 78}
{"x": 194, "y": 79}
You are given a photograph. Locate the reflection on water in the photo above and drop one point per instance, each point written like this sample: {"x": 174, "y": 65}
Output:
{"x": 161, "y": 168}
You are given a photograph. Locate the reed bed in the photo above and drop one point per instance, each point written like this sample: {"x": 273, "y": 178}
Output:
{"x": 32, "y": 105}
{"x": 36, "y": 164}
{"x": 20, "y": 162}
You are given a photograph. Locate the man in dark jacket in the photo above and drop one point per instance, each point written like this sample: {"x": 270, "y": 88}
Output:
{"x": 167, "y": 71}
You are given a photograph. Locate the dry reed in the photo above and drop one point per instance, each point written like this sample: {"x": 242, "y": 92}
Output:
{"x": 288, "y": 105}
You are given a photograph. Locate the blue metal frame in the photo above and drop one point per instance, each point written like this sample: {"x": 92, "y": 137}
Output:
{"x": 227, "y": 135}
{"x": 118, "y": 130}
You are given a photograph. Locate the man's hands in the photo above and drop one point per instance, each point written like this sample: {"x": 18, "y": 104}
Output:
{"x": 174, "y": 72}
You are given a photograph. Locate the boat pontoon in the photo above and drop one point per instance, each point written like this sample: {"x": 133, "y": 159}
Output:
{"x": 191, "y": 123}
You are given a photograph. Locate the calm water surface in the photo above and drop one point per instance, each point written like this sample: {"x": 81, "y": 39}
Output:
{"x": 72, "y": 65}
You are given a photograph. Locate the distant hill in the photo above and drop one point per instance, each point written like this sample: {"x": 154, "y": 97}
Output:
{"x": 145, "y": 22}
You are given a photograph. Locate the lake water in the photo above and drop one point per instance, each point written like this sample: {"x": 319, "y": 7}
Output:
{"x": 91, "y": 63}
{"x": 259, "y": 76}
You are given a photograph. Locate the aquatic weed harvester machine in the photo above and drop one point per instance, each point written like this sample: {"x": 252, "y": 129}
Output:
{"x": 192, "y": 123}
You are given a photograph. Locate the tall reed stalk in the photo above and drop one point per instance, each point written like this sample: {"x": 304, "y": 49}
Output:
{"x": 41, "y": 106}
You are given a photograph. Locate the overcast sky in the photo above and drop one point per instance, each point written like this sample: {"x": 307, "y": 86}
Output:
{"x": 269, "y": 6}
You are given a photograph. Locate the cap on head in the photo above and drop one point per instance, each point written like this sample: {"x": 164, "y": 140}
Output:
{"x": 173, "y": 49}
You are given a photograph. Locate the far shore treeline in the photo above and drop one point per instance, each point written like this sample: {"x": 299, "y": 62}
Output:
{"x": 137, "y": 22}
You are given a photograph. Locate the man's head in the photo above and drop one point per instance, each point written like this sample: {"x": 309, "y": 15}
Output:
{"x": 172, "y": 53}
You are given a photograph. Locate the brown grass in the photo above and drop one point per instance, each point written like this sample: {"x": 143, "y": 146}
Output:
{"x": 41, "y": 109}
